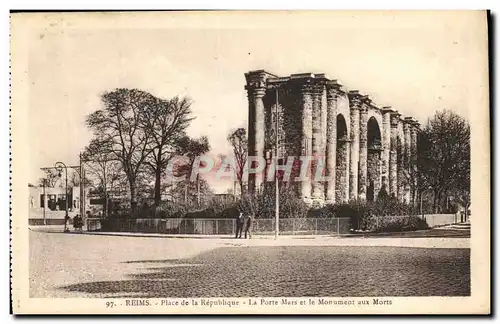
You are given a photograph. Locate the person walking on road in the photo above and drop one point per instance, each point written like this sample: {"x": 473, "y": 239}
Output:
{"x": 78, "y": 223}
{"x": 248, "y": 226}
{"x": 66, "y": 221}
{"x": 239, "y": 225}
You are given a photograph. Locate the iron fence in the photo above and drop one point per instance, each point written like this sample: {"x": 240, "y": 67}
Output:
{"x": 433, "y": 220}
{"x": 287, "y": 226}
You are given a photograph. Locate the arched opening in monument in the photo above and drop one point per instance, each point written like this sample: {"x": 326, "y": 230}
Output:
{"x": 374, "y": 180}
{"x": 342, "y": 154}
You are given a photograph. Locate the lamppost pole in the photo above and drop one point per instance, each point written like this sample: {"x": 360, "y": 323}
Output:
{"x": 277, "y": 211}
{"x": 44, "y": 182}
{"x": 81, "y": 185}
{"x": 59, "y": 166}
{"x": 421, "y": 202}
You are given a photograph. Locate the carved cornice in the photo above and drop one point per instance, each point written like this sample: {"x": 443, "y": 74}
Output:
{"x": 354, "y": 99}
{"x": 257, "y": 79}
{"x": 365, "y": 104}
{"x": 395, "y": 118}
{"x": 408, "y": 121}
{"x": 305, "y": 85}
{"x": 318, "y": 86}
{"x": 387, "y": 110}
{"x": 333, "y": 89}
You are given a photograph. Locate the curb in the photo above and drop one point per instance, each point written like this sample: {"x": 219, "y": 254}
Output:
{"x": 395, "y": 235}
{"x": 186, "y": 236}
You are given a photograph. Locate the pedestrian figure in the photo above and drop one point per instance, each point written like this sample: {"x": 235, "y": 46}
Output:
{"x": 248, "y": 226}
{"x": 240, "y": 221}
{"x": 78, "y": 223}
{"x": 66, "y": 220}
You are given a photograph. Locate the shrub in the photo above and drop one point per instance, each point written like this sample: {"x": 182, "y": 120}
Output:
{"x": 393, "y": 223}
{"x": 373, "y": 216}
{"x": 263, "y": 205}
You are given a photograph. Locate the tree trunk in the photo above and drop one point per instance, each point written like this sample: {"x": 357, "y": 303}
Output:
{"x": 435, "y": 200}
{"x": 157, "y": 187}
{"x": 440, "y": 201}
{"x": 105, "y": 209}
{"x": 198, "y": 190}
{"x": 133, "y": 197}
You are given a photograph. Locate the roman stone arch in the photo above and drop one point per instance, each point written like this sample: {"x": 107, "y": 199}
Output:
{"x": 374, "y": 163}
{"x": 342, "y": 157}
{"x": 377, "y": 115}
{"x": 343, "y": 108}
{"x": 343, "y": 125}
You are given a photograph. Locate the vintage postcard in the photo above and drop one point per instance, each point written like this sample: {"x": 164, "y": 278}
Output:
{"x": 285, "y": 162}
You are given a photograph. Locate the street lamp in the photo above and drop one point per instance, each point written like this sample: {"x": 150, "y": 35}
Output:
{"x": 421, "y": 201}
{"x": 59, "y": 167}
{"x": 276, "y": 86}
{"x": 45, "y": 201}
{"x": 277, "y": 211}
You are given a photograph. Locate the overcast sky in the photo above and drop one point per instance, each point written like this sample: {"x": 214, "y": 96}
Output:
{"x": 415, "y": 62}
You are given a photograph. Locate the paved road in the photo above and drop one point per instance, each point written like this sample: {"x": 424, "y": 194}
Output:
{"x": 65, "y": 265}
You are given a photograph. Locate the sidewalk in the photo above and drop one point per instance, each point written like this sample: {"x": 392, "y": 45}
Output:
{"x": 294, "y": 240}
{"x": 59, "y": 229}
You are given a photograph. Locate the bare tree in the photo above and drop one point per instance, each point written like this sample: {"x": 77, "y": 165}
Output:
{"x": 118, "y": 130}
{"x": 103, "y": 167}
{"x": 165, "y": 122}
{"x": 192, "y": 200}
{"x": 239, "y": 143}
{"x": 444, "y": 155}
{"x": 191, "y": 148}
{"x": 74, "y": 179}
{"x": 51, "y": 178}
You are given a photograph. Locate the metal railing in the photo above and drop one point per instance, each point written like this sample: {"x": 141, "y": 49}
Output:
{"x": 288, "y": 226}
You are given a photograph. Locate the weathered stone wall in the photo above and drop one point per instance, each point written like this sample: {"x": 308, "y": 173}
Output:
{"x": 310, "y": 106}
{"x": 373, "y": 175}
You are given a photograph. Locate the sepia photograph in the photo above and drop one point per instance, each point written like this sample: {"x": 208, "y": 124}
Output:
{"x": 245, "y": 162}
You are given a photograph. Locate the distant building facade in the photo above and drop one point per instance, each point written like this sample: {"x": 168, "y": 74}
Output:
{"x": 364, "y": 147}
{"x": 53, "y": 200}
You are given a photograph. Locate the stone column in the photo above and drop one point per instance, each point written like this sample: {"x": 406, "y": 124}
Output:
{"x": 377, "y": 183}
{"x": 413, "y": 135}
{"x": 407, "y": 158}
{"x": 386, "y": 146}
{"x": 393, "y": 161}
{"x": 342, "y": 170}
{"x": 354, "y": 106}
{"x": 307, "y": 133}
{"x": 347, "y": 155}
{"x": 363, "y": 147}
{"x": 259, "y": 132}
{"x": 256, "y": 89}
{"x": 400, "y": 157}
{"x": 324, "y": 118}
{"x": 332, "y": 91}
{"x": 317, "y": 186}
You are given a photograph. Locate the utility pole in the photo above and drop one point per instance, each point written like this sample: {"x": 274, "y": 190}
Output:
{"x": 83, "y": 197}
{"x": 277, "y": 211}
{"x": 44, "y": 201}
{"x": 59, "y": 166}
{"x": 81, "y": 186}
